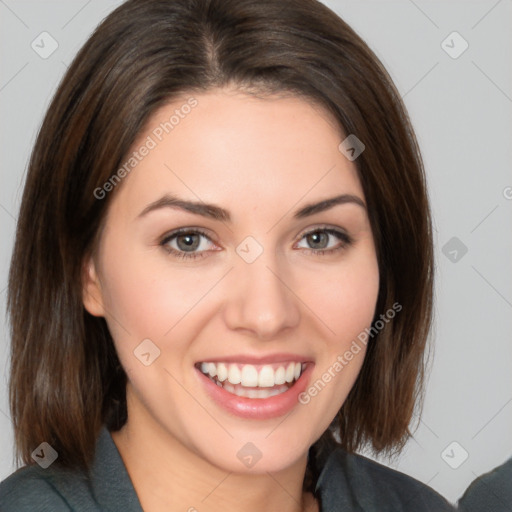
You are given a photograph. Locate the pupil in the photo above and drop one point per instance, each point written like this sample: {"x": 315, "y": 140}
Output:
{"x": 317, "y": 239}
{"x": 189, "y": 242}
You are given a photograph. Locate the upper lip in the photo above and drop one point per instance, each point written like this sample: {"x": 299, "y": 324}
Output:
{"x": 255, "y": 360}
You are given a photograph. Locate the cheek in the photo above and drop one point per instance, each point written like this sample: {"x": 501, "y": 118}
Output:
{"x": 142, "y": 297}
{"x": 344, "y": 297}
{"x": 346, "y": 306}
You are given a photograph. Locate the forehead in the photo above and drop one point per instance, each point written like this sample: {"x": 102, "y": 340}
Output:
{"x": 229, "y": 147}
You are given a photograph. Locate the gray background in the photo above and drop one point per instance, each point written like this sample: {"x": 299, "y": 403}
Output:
{"x": 461, "y": 109}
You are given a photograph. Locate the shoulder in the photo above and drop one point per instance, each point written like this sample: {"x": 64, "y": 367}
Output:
{"x": 362, "y": 484}
{"x": 396, "y": 489}
{"x": 34, "y": 489}
{"x": 105, "y": 485}
{"x": 491, "y": 492}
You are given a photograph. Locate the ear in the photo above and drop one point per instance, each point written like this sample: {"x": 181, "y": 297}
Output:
{"x": 91, "y": 289}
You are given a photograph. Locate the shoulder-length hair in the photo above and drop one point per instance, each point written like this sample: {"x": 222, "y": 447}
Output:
{"x": 66, "y": 380}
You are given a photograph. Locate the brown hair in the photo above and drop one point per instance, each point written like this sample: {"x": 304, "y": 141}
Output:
{"x": 66, "y": 379}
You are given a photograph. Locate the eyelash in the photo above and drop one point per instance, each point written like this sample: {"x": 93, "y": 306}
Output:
{"x": 345, "y": 239}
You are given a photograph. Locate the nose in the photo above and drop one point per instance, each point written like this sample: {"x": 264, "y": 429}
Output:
{"x": 261, "y": 300}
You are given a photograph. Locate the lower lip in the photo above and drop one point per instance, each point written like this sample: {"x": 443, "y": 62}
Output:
{"x": 258, "y": 408}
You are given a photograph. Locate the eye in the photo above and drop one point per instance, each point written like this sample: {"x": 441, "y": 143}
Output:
{"x": 187, "y": 243}
{"x": 194, "y": 243}
{"x": 324, "y": 240}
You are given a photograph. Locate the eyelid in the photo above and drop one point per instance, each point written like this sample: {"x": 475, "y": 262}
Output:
{"x": 178, "y": 231}
{"x": 329, "y": 228}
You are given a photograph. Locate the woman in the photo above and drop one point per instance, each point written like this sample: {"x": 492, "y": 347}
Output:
{"x": 221, "y": 286}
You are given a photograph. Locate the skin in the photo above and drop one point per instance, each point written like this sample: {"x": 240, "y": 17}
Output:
{"x": 261, "y": 159}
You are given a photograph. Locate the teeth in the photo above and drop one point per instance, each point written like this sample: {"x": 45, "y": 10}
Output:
{"x": 234, "y": 375}
{"x": 253, "y": 393}
{"x": 222, "y": 372}
{"x": 229, "y": 387}
{"x": 290, "y": 372}
{"x": 280, "y": 376}
{"x": 298, "y": 371}
{"x": 251, "y": 376}
{"x": 266, "y": 377}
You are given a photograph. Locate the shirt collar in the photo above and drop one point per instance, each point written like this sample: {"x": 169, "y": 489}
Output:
{"x": 111, "y": 484}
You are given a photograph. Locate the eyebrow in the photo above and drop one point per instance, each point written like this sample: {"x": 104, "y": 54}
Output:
{"x": 217, "y": 213}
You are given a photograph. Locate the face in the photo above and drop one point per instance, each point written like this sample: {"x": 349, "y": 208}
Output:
{"x": 222, "y": 254}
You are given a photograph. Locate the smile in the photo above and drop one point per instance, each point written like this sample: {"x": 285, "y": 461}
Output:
{"x": 253, "y": 381}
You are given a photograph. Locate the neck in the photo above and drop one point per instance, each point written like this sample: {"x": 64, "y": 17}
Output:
{"x": 167, "y": 476}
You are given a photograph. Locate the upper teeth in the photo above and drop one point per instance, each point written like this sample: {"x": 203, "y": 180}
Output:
{"x": 248, "y": 375}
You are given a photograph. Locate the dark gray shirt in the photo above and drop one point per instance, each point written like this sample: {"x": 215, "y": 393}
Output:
{"x": 346, "y": 482}
{"x": 491, "y": 492}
